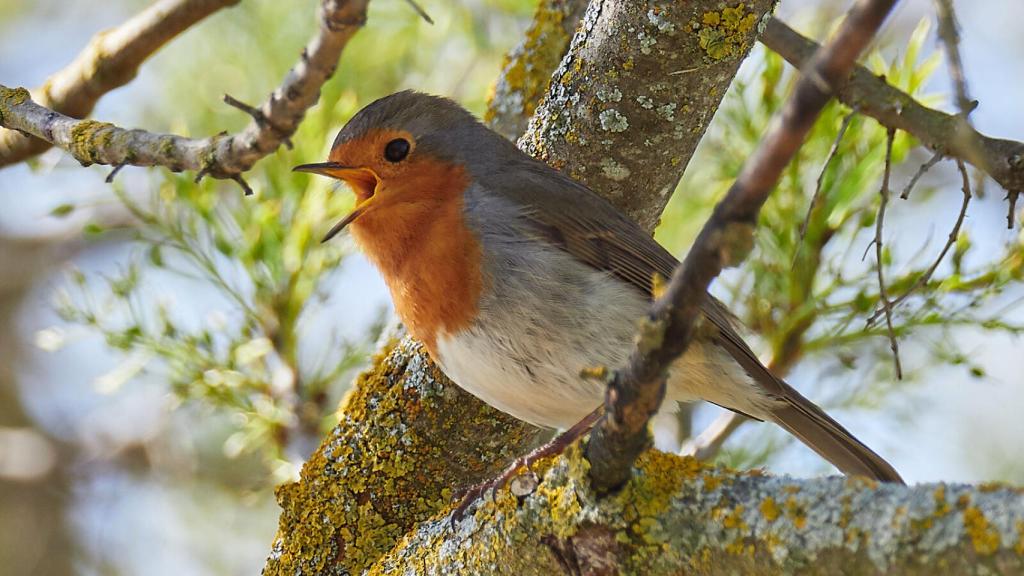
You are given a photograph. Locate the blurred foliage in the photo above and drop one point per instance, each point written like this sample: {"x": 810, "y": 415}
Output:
{"x": 810, "y": 297}
{"x": 260, "y": 258}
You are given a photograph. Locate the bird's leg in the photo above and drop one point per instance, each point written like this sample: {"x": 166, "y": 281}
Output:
{"x": 555, "y": 446}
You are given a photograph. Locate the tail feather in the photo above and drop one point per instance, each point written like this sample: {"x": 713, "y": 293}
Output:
{"x": 803, "y": 419}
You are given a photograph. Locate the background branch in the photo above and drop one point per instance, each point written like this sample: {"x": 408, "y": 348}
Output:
{"x": 1003, "y": 160}
{"x": 220, "y": 156}
{"x": 111, "y": 60}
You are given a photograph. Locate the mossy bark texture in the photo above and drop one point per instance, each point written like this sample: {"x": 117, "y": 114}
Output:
{"x": 636, "y": 91}
{"x": 677, "y": 516}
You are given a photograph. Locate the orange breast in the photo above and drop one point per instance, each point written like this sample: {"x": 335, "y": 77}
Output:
{"x": 418, "y": 239}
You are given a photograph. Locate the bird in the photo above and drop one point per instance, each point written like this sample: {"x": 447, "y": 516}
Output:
{"x": 517, "y": 278}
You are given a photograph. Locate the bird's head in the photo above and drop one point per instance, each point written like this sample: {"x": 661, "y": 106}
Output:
{"x": 402, "y": 153}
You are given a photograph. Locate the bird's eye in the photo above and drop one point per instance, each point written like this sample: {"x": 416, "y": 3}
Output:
{"x": 396, "y": 150}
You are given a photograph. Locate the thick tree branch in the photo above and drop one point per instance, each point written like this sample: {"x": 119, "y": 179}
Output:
{"x": 677, "y": 516}
{"x": 1003, "y": 160}
{"x": 111, "y": 60}
{"x": 527, "y": 68}
{"x": 635, "y": 93}
{"x": 221, "y": 156}
{"x": 636, "y": 391}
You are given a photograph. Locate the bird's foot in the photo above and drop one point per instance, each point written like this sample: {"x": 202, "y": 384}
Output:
{"x": 471, "y": 494}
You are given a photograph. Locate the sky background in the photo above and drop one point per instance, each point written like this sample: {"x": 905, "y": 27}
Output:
{"x": 139, "y": 496}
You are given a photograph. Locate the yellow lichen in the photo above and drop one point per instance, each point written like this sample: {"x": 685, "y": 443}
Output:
{"x": 527, "y": 69}
{"x": 87, "y": 138}
{"x": 1019, "y": 548}
{"x": 769, "y": 509}
{"x": 10, "y": 97}
{"x": 939, "y": 496}
{"x": 395, "y": 440}
{"x": 795, "y": 511}
{"x": 726, "y": 34}
{"x": 984, "y": 536}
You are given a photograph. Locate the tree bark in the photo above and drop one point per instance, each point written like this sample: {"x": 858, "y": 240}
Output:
{"x": 678, "y": 516}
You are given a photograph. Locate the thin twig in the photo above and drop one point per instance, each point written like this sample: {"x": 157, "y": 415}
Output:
{"x": 879, "y": 224}
{"x": 111, "y": 60}
{"x": 949, "y": 33}
{"x": 246, "y": 189}
{"x": 950, "y": 241}
{"x": 708, "y": 443}
{"x": 1011, "y": 198}
{"x": 636, "y": 391}
{"x": 1003, "y": 160}
{"x": 419, "y": 10}
{"x": 220, "y": 156}
{"x": 921, "y": 172}
{"x": 258, "y": 116}
{"x": 816, "y": 198}
{"x": 113, "y": 173}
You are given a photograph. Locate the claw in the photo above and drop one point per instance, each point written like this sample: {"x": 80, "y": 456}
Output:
{"x": 471, "y": 494}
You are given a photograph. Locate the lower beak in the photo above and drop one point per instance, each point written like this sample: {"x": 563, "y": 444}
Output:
{"x": 355, "y": 213}
{"x": 362, "y": 180}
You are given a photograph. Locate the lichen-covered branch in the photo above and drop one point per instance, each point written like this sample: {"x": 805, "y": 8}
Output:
{"x": 635, "y": 391}
{"x": 525, "y": 74}
{"x": 407, "y": 439}
{"x": 221, "y": 156}
{"x": 111, "y": 60}
{"x": 871, "y": 95}
{"x": 678, "y": 516}
{"x": 635, "y": 93}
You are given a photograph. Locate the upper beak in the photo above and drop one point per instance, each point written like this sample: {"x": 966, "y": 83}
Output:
{"x": 362, "y": 180}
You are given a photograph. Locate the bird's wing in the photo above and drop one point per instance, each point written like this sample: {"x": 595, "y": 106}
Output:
{"x": 570, "y": 215}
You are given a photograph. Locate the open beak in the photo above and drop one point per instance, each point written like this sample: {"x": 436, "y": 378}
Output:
{"x": 362, "y": 180}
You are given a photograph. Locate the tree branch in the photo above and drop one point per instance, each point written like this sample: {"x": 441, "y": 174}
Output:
{"x": 677, "y": 516}
{"x": 633, "y": 96}
{"x": 220, "y": 156}
{"x": 1003, "y": 160}
{"x": 635, "y": 392}
{"x": 527, "y": 68}
{"x": 111, "y": 60}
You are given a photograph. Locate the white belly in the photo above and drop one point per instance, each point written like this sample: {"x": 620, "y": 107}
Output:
{"x": 548, "y": 391}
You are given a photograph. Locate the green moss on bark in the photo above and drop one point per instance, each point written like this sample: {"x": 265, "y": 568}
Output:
{"x": 406, "y": 439}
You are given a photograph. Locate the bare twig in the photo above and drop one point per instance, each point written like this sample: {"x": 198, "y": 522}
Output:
{"x": 113, "y": 174}
{"x": 950, "y": 241}
{"x": 920, "y": 172}
{"x": 1011, "y": 198}
{"x": 708, "y": 443}
{"x": 1003, "y": 160}
{"x": 816, "y": 198}
{"x": 258, "y": 116}
{"x": 879, "y": 225}
{"x": 635, "y": 391}
{"x": 949, "y": 33}
{"x": 220, "y": 156}
{"x": 420, "y": 11}
{"x": 111, "y": 60}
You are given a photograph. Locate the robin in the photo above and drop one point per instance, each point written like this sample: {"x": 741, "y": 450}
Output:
{"x": 516, "y": 277}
